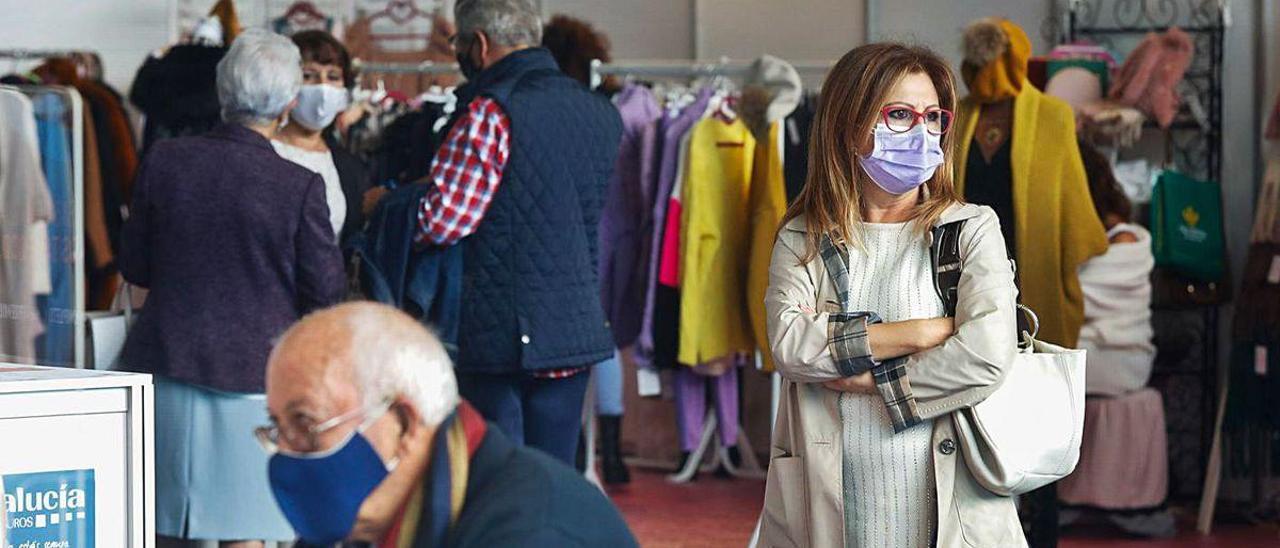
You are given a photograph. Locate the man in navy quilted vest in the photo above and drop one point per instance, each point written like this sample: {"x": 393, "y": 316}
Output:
{"x": 520, "y": 181}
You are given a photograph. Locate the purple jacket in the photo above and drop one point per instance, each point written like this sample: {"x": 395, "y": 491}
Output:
{"x": 627, "y": 217}
{"x": 673, "y": 129}
{"x": 235, "y": 245}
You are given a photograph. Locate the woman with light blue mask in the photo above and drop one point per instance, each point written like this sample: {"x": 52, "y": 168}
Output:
{"x": 865, "y": 450}
{"x": 311, "y": 138}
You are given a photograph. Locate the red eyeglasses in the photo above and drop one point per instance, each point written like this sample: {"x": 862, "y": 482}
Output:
{"x": 900, "y": 119}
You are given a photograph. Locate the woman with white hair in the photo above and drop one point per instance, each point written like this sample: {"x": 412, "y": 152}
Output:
{"x": 235, "y": 244}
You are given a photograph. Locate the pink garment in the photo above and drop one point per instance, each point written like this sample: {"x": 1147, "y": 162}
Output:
{"x": 1150, "y": 75}
{"x": 669, "y": 265}
{"x": 1124, "y": 460}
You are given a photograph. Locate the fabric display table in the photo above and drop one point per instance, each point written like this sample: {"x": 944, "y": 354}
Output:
{"x": 75, "y": 458}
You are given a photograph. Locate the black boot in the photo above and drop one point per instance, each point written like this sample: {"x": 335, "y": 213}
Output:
{"x": 615, "y": 470}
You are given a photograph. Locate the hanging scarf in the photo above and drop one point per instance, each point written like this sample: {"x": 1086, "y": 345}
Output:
{"x": 445, "y": 490}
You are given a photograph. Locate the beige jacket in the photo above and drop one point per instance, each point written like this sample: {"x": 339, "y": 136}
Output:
{"x": 804, "y": 504}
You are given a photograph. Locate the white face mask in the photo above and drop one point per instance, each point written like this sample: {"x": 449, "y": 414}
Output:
{"x": 318, "y": 105}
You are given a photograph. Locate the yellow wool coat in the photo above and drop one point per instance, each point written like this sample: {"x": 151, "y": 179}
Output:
{"x": 1056, "y": 226}
{"x": 714, "y": 242}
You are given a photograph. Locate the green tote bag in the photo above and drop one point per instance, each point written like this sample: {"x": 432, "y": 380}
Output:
{"x": 1186, "y": 226}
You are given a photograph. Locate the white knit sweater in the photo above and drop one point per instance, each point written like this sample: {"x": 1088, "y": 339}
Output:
{"x": 889, "y": 494}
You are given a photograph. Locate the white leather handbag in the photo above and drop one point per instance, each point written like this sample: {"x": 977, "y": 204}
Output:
{"x": 1027, "y": 433}
{"x": 106, "y": 332}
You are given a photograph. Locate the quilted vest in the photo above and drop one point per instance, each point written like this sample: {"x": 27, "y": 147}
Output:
{"x": 531, "y": 291}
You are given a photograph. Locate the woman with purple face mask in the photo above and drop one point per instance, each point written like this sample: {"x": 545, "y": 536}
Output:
{"x": 865, "y": 449}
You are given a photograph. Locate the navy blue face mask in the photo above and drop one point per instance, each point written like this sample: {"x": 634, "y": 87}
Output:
{"x": 321, "y": 493}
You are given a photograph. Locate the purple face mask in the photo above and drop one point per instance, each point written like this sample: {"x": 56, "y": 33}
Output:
{"x": 901, "y": 162}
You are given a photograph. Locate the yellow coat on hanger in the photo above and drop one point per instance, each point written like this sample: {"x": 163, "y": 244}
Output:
{"x": 767, "y": 204}
{"x": 714, "y": 253}
{"x": 1056, "y": 226}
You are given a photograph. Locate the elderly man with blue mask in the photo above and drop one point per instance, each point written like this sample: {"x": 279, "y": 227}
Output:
{"x": 372, "y": 444}
{"x": 235, "y": 245}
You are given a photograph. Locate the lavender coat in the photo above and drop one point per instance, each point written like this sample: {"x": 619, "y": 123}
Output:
{"x": 627, "y": 217}
{"x": 673, "y": 129}
{"x": 235, "y": 245}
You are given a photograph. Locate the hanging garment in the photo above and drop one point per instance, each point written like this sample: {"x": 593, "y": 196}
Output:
{"x": 1055, "y": 224}
{"x": 1117, "y": 330}
{"x": 1257, "y": 316}
{"x": 673, "y": 129}
{"x": 1266, "y": 218}
{"x": 117, "y": 152}
{"x": 669, "y": 265}
{"x": 690, "y": 391}
{"x": 25, "y": 209}
{"x": 178, "y": 92}
{"x": 715, "y": 249}
{"x": 796, "y": 146}
{"x": 429, "y": 41}
{"x": 767, "y": 203}
{"x": 1150, "y": 75}
{"x": 225, "y": 11}
{"x": 102, "y": 275}
{"x": 627, "y": 211}
{"x": 57, "y": 345}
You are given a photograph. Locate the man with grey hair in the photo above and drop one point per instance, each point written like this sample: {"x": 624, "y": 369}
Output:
{"x": 371, "y": 444}
{"x": 521, "y": 177}
{"x": 234, "y": 243}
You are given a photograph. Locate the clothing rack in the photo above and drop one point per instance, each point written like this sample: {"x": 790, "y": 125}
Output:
{"x": 76, "y": 107}
{"x": 425, "y": 67}
{"x": 723, "y": 67}
{"x": 21, "y": 54}
{"x": 710, "y": 448}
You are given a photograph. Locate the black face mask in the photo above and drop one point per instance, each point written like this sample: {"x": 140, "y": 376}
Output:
{"x": 466, "y": 65}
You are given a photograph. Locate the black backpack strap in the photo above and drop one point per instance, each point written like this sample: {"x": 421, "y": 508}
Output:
{"x": 944, "y": 258}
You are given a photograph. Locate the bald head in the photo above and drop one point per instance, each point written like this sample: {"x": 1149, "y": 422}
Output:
{"x": 360, "y": 354}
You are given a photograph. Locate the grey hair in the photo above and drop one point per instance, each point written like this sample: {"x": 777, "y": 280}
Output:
{"x": 507, "y": 23}
{"x": 396, "y": 356}
{"x": 258, "y": 77}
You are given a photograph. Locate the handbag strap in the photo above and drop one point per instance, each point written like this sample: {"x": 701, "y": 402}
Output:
{"x": 947, "y": 264}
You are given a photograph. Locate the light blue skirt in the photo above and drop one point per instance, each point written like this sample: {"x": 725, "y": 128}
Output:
{"x": 211, "y": 474}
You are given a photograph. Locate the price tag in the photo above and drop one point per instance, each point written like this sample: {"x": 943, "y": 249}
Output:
{"x": 1260, "y": 360}
{"x": 1273, "y": 275}
{"x": 648, "y": 382}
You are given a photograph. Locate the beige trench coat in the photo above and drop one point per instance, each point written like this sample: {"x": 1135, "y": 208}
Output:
{"x": 804, "y": 496}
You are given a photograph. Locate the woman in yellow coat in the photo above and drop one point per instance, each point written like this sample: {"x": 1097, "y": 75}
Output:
{"x": 1053, "y": 229}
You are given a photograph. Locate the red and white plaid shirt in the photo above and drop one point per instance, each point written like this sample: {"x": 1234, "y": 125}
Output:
{"x": 466, "y": 172}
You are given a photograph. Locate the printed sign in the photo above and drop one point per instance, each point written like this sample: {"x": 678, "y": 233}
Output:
{"x": 49, "y": 509}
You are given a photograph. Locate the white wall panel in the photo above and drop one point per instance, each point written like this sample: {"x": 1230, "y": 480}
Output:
{"x": 798, "y": 30}
{"x": 638, "y": 29}
{"x": 121, "y": 31}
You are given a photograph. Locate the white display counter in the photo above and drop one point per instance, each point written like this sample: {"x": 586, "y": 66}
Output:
{"x": 75, "y": 458}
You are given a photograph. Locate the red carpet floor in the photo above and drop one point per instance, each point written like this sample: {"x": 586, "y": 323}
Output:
{"x": 713, "y": 513}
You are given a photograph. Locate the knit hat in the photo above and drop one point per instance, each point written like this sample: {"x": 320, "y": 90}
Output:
{"x": 995, "y": 59}
{"x": 771, "y": 91}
